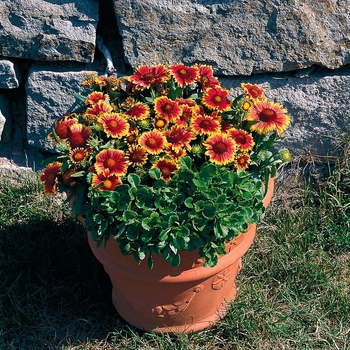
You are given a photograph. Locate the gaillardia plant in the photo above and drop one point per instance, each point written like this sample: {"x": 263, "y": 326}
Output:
{"x": 166, "y": 160}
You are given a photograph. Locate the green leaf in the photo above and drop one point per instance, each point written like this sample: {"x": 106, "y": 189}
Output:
{"x": 247, "y": 195}
{"x": 146, "y": 236}
{"x": 180, "y": 243}
{"x": 79, "y": 173}
{"x": 200, "y": 183}
{"x": 174, "y": 259}
{"x": 188, "y": 202}
{"x": 134, "y": 179}
{"x": 163, "y": 236}
{"x": 207, "y": 172}
{"x": 129, "y": 215}
{"x": 186, "y": 162}
{"x": 173, "y": 249}
{"x": 65, "y": 166}
{"x": 79, "y": 97}
{"x": 209, "y": 210}
{"x": 173, "y": 219}
{"x": 141, "y": 254}
{"x": 132, "y": 233}
{"x": 220, "y": 230}
{"x": 165, "y": 254}
{"x": 199, "y": 205}
{"x": 150, "y": 262}
{"x": 149, "y": 100}
{"x": 121, "y": 229}
{"x": 221, "y": 198}
{"x": 156, "y": 174}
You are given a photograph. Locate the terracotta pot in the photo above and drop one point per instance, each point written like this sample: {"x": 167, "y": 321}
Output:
{"x": 167, "y": 299}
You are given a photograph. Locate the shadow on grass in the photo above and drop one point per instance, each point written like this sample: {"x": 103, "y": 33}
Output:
{"x": 53, "y": 291}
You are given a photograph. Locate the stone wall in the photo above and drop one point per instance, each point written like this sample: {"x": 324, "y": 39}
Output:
{"x": 299, "y": 50}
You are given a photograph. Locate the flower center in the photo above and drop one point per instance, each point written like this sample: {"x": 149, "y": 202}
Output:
{"x": 267, "y": 115}
{"x": 108, "y": 184}
{"x": 183, "y": 72}
{"x": 168, "y": 107}
{"x": 205, "y": 124}
{"x": 51, "y": 178}
{"x": 175, "y": 136}
{"x": 151, "y": 142}
{"x": 113, "y": 124}
{"x": 165, "y": 171}
{"x": 110, "y": 163}
{"x": 148, "y": 76}
{"x": 131, "y": 138}
{"x": 136, "y": 157}
{"x": 78, "y": 156}
{"x": 160, "y": 123}
{"x": 220, "y": 147}
{"x": 217, "y": 99}
{"x": 240, "y": 138}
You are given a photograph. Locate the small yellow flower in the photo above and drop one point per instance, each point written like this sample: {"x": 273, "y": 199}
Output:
{"x": 246, "y": 105}
{"x": 285, "y": 155}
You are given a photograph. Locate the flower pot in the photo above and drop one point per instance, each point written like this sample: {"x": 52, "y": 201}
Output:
{"x": 168, "y": 299}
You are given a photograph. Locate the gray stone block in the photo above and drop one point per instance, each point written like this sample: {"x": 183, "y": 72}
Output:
{"x": 48, "y": 30}
{"x": 236, "y": 37}
{"x": 10, "y": 76}
{"x": 50, "y": 94}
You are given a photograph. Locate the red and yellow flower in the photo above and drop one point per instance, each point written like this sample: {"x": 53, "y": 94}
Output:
{"x": 220, "y": 149}
{"x": 78, "y": 135}
{"x": 145, "y": 76}
{"x": 203, "y": 124}
{"x": 253, "y": 91}
{"x": 167, "y": 108}
{"x": 175, "y": 154}
{"x": 105, "y": 181}
{"x": 216, "y": 98}
{"x": 167, "y": 168}
{"x": 95, "y": 96}
{"x": 183, "y": 75}
{"x": 50, "y": 177}
{"x": 154, "y": 141}
{"x": 112, "y": 160}
{"x": 136, "y": 156}
{"x": 160, "y": 123}
{"x": 138, "y": 111}
{"x": 153, "y": 118}
{"x": 206, "y": 77}
{"x": 102, "y": 80}
{"x": 242, "y": 161}
{"x": 98, "y": 109}
{"x": 268, "y": 116}
{"x": 243, "y": 140}
{"x": 179, "y": 137}
{"x": 78, "y": 155}
{"x": 114, "y": 125}
{"x": 61, "y": 127}
{"x": 131, "y": 137}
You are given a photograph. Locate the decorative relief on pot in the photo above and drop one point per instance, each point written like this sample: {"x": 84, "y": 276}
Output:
{"x": 173, "y": 310}
{"x": 221, "y": 278}
{"x": 234, "y": 243}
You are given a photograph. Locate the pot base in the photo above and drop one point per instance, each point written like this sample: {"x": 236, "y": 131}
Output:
{"x": 173, "y": 317}
{"x": 168, "y": 299}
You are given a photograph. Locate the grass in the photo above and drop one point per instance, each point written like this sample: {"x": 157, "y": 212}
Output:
{"x": 293, "y": 291}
